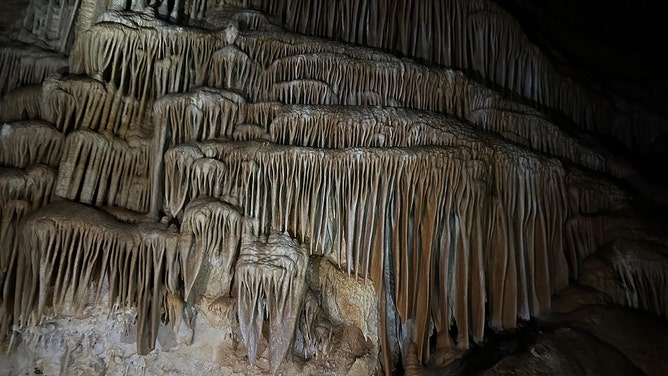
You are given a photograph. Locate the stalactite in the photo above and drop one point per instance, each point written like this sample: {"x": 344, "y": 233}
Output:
{"x": 518, "y": 126}
{"x": 68, "y": 251}
{"x": 130, "y": 60}
{"x": 20, "y": 192}
{"x": 232, "y": 69}
{"x": 24, "y": 103}
{"x": 34, "y": 184}
{"x": 262, "y": 113}
{"x": 426, "y": 199}
{"x": 12, "y": 212}
{"x": 27, "y": 65}
{"x": 199, "y": 115}
{"x": 313, "y": 74}
{"x": 592, "y": 204}
{"x": 178, "y": 165}
{"x": 29, "y": 142}
{"x": 477, "y": 37}
{"x": 55, "y": 25}
{"x": 639, "y": 270}
{"x": 271, "y": 283}
{"x": 208, "y": 245}
{"x": 583, "y": 237}
{"x": 74, "y": 103}
{"x": 592, "y": 195}
{"x": 160, "y": 58}
{"x": 377, "y": 164}
{"x": 101, "y": 169}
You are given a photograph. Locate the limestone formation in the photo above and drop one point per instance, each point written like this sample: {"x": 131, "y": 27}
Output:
{"x": 271, "y": 284}
{"x": 208, "y": 246}
{"x": 480, "y": 38}
{"x": 188, "y": 187}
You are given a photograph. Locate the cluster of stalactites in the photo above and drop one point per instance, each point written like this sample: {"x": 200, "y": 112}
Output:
{"x": 208, "y": 246}
{"x": 21, "y": 191}
{"x": 29, "y": 142}
{"x": 12, "y": 212}
{"x": 24, "y": 103}
{"x": 642, "y": 271}
{"x": 49, "y": 24}
{"x": 201, "y": 114}
{"x": 490, "y": 230}
{"x": 56, "y": 25}
{"x": 34, "y": 184}
{"x": 145, "y": 58}
{"x": 103, "y": 170}
{"x": 77, "y": 102}
{"x": 326, "y": 73}
{"x": 67, "y": 252}
{"x": 477, "y": 37}
{"x": 28, "y": 152}
{"x": 271, "y": 281}
{"x": 27, "y": 65}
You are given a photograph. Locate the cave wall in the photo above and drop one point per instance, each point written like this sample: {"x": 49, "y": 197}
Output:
{"x": 220, "y": 162}
{"x": 484, "y": 40}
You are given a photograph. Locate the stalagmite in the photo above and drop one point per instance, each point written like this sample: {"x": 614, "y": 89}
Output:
{"x": 271, "y": 283}
{"x": 315, "y": 331}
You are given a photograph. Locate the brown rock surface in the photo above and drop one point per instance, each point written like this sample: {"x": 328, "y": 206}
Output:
{"x": 188, "y": 188}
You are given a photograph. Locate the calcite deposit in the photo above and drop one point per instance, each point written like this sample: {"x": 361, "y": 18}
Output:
{"x": 228, "y": 187}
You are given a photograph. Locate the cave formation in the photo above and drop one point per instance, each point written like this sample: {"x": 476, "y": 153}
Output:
{"x": 343, "y": 187}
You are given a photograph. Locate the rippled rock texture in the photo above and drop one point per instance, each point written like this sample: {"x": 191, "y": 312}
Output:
{"x": 187, "y": 187}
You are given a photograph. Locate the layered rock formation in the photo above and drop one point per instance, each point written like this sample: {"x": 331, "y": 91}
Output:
{"x": 255, "y": 200}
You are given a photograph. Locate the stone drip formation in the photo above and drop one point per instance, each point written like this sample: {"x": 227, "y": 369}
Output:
{"x": 157, "y": 166}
